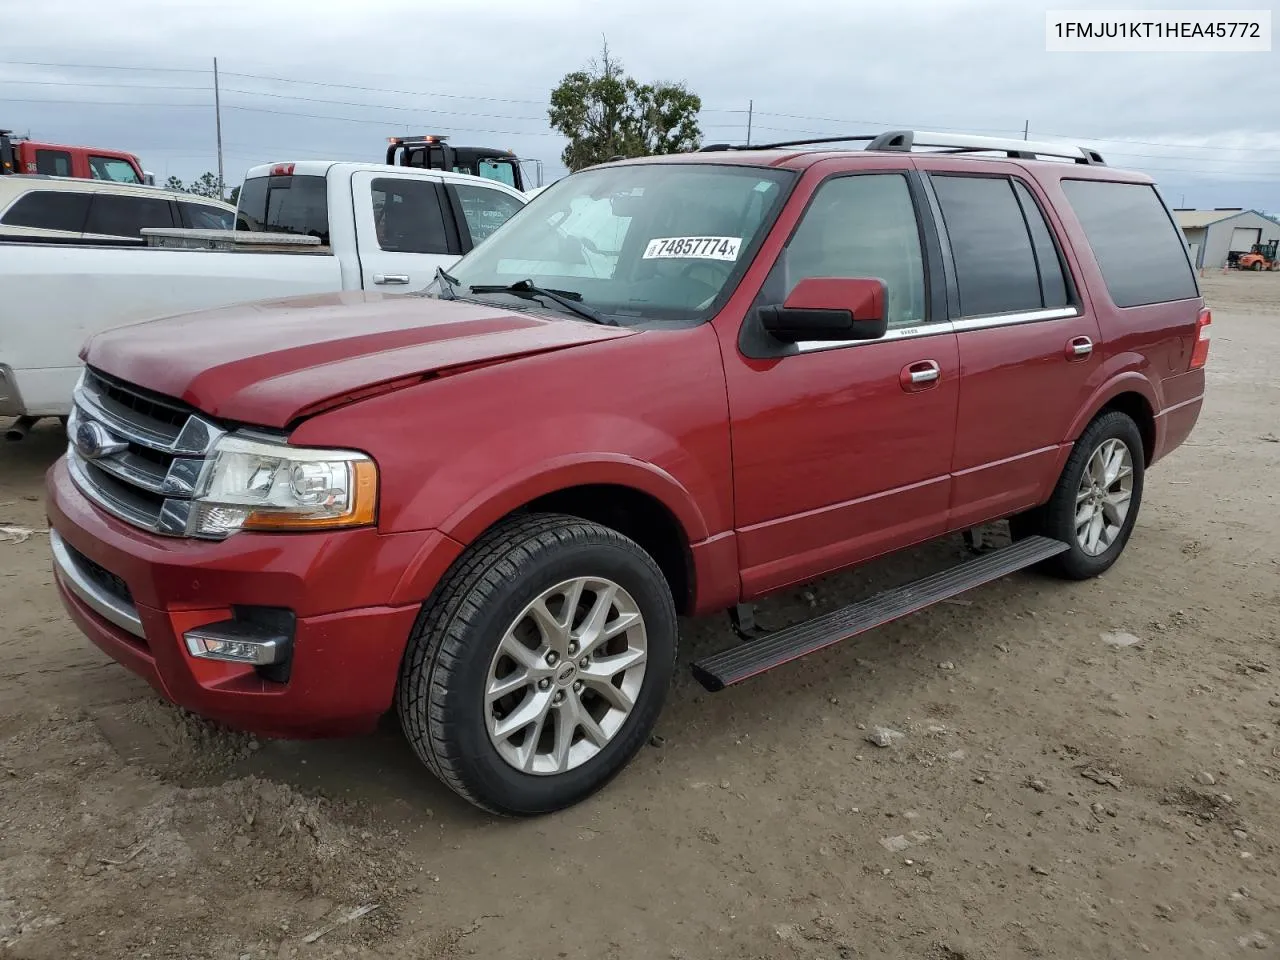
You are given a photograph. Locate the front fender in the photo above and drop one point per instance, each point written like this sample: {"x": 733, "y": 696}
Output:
{"x": 490, "y": 504}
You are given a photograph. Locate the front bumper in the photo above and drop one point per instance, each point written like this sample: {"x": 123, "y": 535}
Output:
{"x": 135, "y": 594}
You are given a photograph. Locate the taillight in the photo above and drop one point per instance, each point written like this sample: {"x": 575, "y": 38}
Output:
{"x": 282, "y": 170}
{"x": 1200, "y": 352}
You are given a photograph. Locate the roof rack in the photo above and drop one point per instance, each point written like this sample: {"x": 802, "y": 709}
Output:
{"x": 904, "y": 141}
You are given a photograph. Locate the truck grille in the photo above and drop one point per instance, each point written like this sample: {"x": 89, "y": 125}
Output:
{"x": 136, "y": 454}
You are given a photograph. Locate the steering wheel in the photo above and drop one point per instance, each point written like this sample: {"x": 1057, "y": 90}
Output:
{"x": 719, "y": 270}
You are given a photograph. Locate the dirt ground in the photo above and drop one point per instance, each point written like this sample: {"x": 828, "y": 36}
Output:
{"x": 1055, "y": 795}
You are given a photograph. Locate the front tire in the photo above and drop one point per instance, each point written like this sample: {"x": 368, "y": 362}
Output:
{"x": 537, "y": 668}
{"x": 1095, "y": 503}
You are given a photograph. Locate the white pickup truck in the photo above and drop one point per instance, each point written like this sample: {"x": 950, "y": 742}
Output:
{"x": 375, "y": 227}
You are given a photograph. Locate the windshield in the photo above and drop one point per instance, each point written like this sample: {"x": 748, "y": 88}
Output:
{"x": 113, "y": 168}
{"x": 639, "y": 241}
{"x": 504, "y": 171}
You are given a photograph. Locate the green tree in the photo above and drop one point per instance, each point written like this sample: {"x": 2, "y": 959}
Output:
{"x": 604, "y": 113}
{"x": 207, "y": 186}
{"x": 235, "y": 195}
{"x": 173, "y": 183}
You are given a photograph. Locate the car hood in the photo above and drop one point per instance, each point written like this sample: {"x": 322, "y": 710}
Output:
{"x": 273, "y": 362}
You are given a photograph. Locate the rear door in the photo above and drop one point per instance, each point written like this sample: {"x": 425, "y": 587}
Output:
{"x": 1029, "y": 344}
{"x": 115, "y": 215}
{"x": 405, "y": 231}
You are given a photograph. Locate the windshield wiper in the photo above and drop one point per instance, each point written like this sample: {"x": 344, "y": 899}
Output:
{"x": 447, "y": 282}
{"x": 570, "y": 300}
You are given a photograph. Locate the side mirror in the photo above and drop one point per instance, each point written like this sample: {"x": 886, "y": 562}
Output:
{"x": 829, "y": 308}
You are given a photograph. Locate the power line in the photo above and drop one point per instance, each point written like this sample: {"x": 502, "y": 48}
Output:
{"x": 79, "y": 83}
{"x": 100, "y": 66}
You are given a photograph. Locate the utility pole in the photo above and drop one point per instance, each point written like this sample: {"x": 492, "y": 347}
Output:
{"x": 1026, "y": 127}
{"x": 751, "y": 105}
{"x": 217, "y": 119}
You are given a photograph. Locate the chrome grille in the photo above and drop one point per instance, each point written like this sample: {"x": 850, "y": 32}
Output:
{"x": 136, "y": 454}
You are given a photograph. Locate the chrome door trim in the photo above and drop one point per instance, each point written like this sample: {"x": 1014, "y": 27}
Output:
{"x": 1009, "y": 319}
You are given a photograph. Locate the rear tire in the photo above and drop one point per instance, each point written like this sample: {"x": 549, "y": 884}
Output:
{"x": 1095, "y": 503}
{"x": 508, "y": 695}
{"x": 1257, "y": 265}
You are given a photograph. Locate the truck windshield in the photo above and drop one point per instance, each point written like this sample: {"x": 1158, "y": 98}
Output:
{"x": 285, "y": 204}
{"x": 636, "y": 242}
{"x": 504, "y": 171}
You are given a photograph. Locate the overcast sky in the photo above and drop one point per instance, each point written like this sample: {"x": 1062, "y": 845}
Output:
{"x": 319, "y": 79}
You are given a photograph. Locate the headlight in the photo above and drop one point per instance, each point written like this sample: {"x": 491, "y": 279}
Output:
{"x": 260, "y": 485}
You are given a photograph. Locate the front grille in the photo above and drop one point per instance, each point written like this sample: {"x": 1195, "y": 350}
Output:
{"x": 137, "y": 454}
{"x": 100, "y": 575}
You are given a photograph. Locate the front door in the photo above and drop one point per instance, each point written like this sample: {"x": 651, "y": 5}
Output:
{"x": 402, "y": 231}
{"x": 841, "y": 451}
{"x": 1029, "y": 344}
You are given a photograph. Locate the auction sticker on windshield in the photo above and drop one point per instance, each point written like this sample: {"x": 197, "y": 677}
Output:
{"x": 697, "y": 248}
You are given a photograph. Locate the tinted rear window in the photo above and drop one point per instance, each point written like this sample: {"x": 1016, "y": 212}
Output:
{"x": 49, "y": 209}
{"x": 202, "y": 216}
{"x": 55, "y": 163}
{"x": 1136, "y": 244}
{"x": 285, "y": 205}
{"x": 124, "y": 216}
{"x": 995, "y": 264}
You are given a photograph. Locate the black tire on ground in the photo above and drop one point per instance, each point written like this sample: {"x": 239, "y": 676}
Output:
{"x": 1056, "y": 518}
{"x": 441, "y": 693}
{"x": 1257, "y": 265}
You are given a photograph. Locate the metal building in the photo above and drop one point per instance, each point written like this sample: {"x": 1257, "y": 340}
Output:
{"x": 1213, "y": 234}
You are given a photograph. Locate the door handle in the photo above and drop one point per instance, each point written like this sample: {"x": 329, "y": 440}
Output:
{"x": 1079, "y": 348}
{"x": 920, "y": 375}
{"x": 390, "y": 278}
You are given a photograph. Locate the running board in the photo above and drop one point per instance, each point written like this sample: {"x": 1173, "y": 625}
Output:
{"x": 773, "y": 650}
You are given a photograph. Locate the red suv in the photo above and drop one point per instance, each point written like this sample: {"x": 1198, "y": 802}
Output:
{"x": 669, "y": 385}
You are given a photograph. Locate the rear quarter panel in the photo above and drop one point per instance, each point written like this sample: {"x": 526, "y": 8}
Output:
{"x": 1145, "y": 349}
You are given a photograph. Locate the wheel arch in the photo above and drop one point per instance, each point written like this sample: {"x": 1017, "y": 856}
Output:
{"x": 639, "y": 500}
{"x": 1131, "y": 394}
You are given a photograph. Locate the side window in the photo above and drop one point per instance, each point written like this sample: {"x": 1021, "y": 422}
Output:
{"x": 995, "y": 264}
{"x": 1139, "y": 250}
{"x": 118, "y": 215}
{"x": 407, "y": 216}
{"x": 112, "y": 168}
{"x": 863, "y": 226}
{"x": 201, "y": 216}
{"x": 1053, "y": 283}
{"x": 53, "y": 163}
{"x": 49, "y": 210}
{"x": 485, "y": 210}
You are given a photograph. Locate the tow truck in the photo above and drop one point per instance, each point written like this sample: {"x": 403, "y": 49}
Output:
{"x": 433, "y": 152}
{"x": 24, "y": 155}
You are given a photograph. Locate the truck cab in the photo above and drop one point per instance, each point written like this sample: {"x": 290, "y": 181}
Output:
{"x": 432, "y": 152}
{"x": 57, "y": 160}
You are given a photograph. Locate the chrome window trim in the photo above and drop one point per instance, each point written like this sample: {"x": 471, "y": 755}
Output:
{"x": 110, "y": 608}
{"x": 946, "y": 326}
{"x": 900, "y": 333}
{"x": 1009, "y": 319}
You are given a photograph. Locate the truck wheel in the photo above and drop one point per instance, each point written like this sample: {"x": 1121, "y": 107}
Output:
{"x": 1095, "y": 504}
{"x": 1257, "y": 265}
{"x": 538, "y": 666}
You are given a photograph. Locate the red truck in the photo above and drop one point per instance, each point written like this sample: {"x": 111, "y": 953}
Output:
{"x": 666, "y": 386}
{"x": 58, "y": 160}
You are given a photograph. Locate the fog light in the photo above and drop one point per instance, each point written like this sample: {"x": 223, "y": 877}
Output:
{"x": 236, "y": 641}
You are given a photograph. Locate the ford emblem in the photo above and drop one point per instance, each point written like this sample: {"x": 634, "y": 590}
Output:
{"x": 92, "y": 441}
